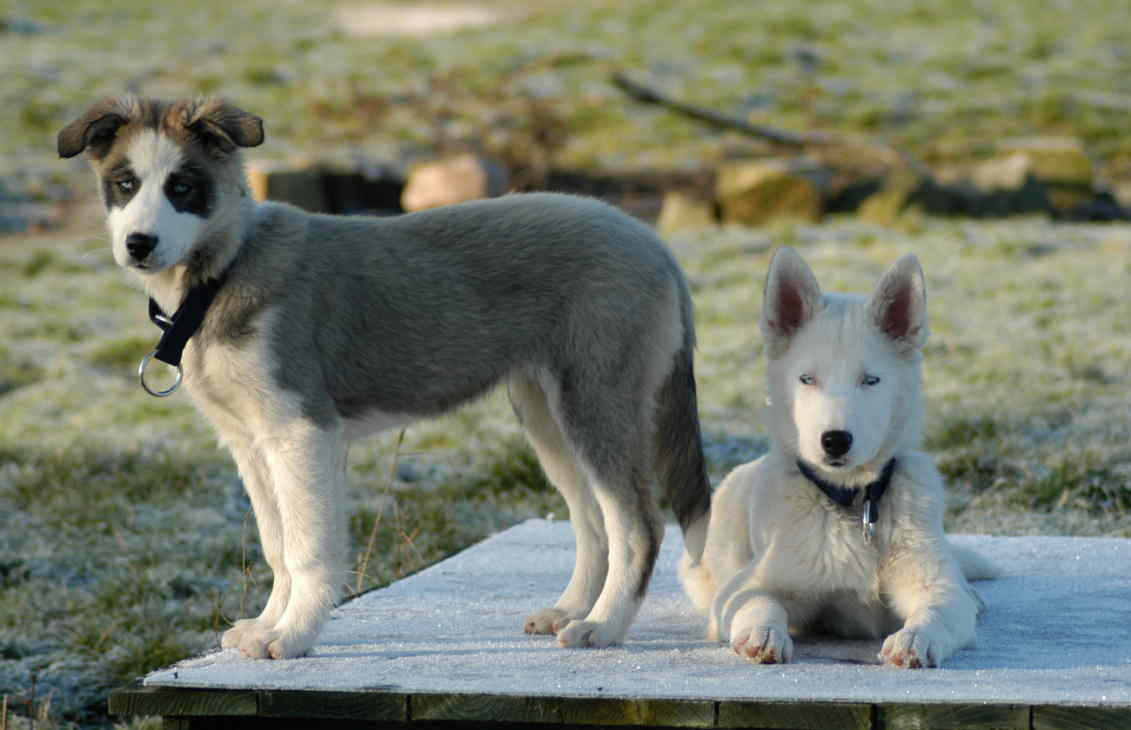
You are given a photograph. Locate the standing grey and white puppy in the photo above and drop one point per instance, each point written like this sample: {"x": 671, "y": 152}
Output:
{"x": 328, "y": 328}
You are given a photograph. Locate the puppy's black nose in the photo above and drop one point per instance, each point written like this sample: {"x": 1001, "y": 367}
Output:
{"x": 836, "y": 443}
{"x": 140, "y": 245}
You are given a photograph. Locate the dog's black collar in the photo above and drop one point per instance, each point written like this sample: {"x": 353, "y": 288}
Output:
{"x": 184, "y": 323}
{"x": 178, "y": 329}
{"x": 845, "y": 496}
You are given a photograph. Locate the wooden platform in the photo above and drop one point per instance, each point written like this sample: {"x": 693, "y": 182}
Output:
{"x": 446, "y": 647}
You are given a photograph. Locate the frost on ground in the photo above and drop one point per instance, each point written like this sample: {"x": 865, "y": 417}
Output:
{"x": 126, "y": 542}
{"x": 414, "y": 637}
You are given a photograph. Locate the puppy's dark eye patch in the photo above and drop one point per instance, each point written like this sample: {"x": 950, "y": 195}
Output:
{"x": 189, "y": 190}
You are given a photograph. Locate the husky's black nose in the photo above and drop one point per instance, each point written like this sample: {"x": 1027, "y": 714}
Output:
{"x": 140, "y": 245}
{"x": 836, "y": 443}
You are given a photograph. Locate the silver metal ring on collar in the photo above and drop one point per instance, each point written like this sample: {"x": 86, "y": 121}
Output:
{"x": 157, "y": 393}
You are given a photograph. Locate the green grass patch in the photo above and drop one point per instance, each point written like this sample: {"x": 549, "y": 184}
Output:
{"x": 121, "y": 353}
{"x": 1085, "y": 480}
{"x": 961, "y": 432}
{"x": 16, "y": 371}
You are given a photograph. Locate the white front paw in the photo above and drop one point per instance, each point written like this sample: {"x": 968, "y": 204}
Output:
{"x": 914, "y": 649}
{"x": 763, "y": 644}
{"x": 253, "y": 642}
{"x": 232, "y": 637}
{"x": 258, "y": 643}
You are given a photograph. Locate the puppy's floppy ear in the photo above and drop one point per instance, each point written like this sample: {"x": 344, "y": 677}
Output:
{"x": 899, "y": 304}
{"x": 94, "y": 131}
{"x": 222, "y": 126}
{"x": 790, "y": 299}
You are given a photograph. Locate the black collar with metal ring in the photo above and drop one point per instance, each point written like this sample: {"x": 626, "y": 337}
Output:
{"x": 178, "y": 329}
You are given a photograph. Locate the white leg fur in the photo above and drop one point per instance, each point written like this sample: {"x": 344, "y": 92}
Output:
{"x": 532, "y": 402}
{"x": 257, "y": 481}
{"x": 628, "y": 540}
{"x": 939, "y": 614}
{"x": 306, "y": 467}
{"x": 753, "y": 619}
{"x": 591, "y": 558}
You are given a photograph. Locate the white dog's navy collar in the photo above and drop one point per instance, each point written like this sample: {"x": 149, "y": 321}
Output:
{"x": 845, "y": 496}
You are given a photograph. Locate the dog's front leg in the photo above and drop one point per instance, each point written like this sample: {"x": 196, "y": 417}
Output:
{"x": 940, "y": 615}
{"x": 759, "y": 628}
{"x": 306, "y": 465}
{"x": 754, "y": 619}
{"x": 257, "y": 481}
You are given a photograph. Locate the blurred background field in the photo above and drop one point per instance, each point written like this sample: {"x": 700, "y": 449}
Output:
{"x": 125, "y": 539}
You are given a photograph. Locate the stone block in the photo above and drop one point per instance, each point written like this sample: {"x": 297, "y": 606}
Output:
{"x": 754, "y": 192}
{"x": 452, "y": 180}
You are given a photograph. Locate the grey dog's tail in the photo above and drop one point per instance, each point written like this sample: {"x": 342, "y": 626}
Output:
{"x": 679, "y": 448}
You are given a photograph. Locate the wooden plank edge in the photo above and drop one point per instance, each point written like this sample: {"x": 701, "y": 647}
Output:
{"x": 786, "y": 715}
{"x": 369, "y": 705}
{"x": 1071, "y": 717}
{"x": 373, "y": 705}
{"x": 953, "y": 716}
{"x": 609, "y": 711}
{"x": 382, "y": 707}
{"x": 183, "y": 701}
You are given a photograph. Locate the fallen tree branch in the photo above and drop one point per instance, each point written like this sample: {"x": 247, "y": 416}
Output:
{"x": 648, "y": 95}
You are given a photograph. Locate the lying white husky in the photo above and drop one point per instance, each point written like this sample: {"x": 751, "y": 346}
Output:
{"x": 839, "y": 528}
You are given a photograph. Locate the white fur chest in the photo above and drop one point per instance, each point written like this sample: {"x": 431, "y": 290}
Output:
{"x": 232, "y": 387}
{"x": 818, "y": 547}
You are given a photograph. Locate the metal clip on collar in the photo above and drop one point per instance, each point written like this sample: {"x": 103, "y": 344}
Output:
{"x": 157, "y": 393}
{"x": 868, "y": 519}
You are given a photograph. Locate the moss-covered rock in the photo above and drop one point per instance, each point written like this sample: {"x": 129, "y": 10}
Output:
{"x": 755, "y": 192}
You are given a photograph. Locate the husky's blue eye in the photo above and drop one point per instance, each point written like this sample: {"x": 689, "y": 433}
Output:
{"x": 181, "y": 188}
{"x": 807, "y": 379}
{"x": 870, "y": 380}
{"x": 125, "y": 185}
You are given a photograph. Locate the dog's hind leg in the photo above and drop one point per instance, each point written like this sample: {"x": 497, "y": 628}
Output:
{"x": 609, "y": 436}
{"x": 532, "y": 406}
{"x": 257, "y": 481}
{"x": 607, "y": 406}
{"x": 635, "y": 531}
{"x": 306, "y": 462}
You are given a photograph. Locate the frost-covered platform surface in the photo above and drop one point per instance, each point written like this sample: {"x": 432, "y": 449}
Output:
{"x": 1057, "y": 632}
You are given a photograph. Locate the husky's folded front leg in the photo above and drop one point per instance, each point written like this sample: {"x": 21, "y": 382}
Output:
{"x": 939, "y": 610}
{"x": 758, "y": 628}
{"x": 306, "y": 463}
{"x": 755, "y": 619}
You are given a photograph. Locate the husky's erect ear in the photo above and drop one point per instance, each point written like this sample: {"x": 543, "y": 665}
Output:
{"x": 222, "y": 126}
{"x": 790, "y": 299}
{"x": 899, "y": 304}
{"x": 95, "y": 130}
